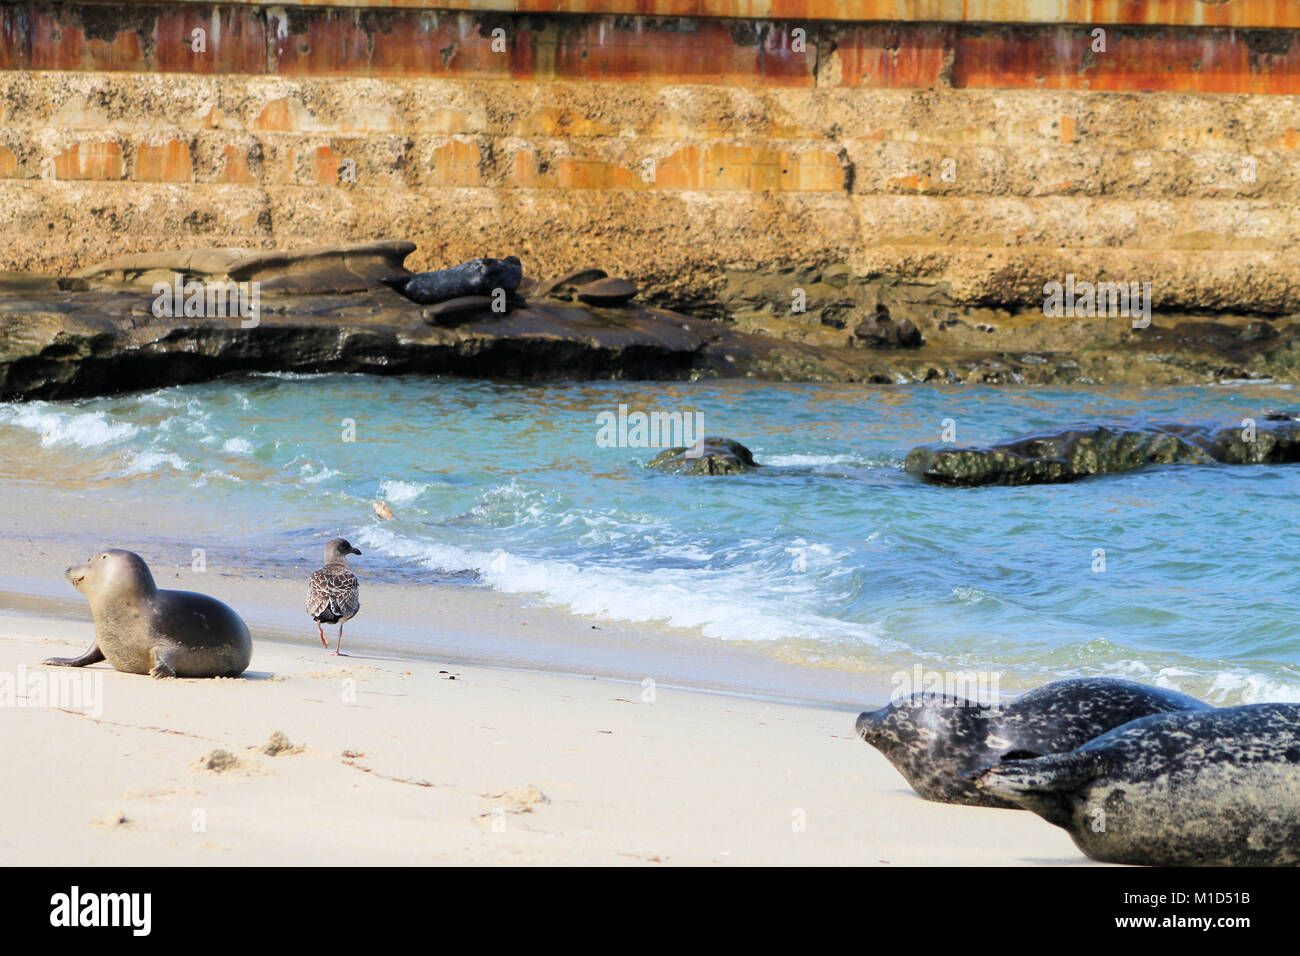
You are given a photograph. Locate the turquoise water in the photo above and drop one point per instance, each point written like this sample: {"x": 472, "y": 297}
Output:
{"x": 831, "y": 555}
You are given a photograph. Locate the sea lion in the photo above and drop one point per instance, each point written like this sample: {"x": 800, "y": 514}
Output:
{"x": 141, "y": 629}
{"x": 935, "y": 740}
{"x": 474, "y": 278}
{"x": 1216, "y": 788}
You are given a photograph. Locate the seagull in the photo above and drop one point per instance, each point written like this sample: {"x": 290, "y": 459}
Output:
{"x": 333, "y": 593}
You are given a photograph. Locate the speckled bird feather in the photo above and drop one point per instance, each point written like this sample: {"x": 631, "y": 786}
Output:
{"x": 333, "y": 594}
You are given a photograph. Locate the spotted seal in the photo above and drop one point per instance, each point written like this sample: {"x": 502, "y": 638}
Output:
{"x": 141, "y": 629}
{"x": 934, "y": 740}
{"x": 1215, "y": 788}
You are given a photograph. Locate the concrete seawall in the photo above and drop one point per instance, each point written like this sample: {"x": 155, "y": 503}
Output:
{"x": 974, "y": 150}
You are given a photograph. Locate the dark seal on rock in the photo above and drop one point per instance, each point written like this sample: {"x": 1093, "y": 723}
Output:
{"x": 880, "y": 331}
{"x": 607, "y": 292}
{"x": 476, "y": 277}
{"x": 708, "y": 456}
{"x": 140, "y": 629}
{"x": 936, "y": 740}
{"x": 1220, "y": 788}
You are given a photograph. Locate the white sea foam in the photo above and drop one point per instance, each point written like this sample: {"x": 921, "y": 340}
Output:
{"x": 152, "y": 460}
{"x": 58, "y": 427}
{"x": 400, "y": 492}
{"x": 1247, "y": 688}
{"x": 725, "y": 609}
{"x": 311, "y": 475}
{"x": 807, "y": 461}
{"x": 240, "y": 446}
{"x": 1226, "y": 687}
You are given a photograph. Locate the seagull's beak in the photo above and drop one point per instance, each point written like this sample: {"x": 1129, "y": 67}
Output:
{"x": 355, "y": 551}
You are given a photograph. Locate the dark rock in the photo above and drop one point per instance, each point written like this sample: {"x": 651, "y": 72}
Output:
{"x": 607, "y": 292}
{"x": 708, "y": 456}
{"x": 880, "y": 331}
{"x": 56, "y": 345}
{"x": 457, "y": 308}
{"x": 1258, "y": 331}
{"x": 1082, "y": 451}
{"x": 566, "y": 286}
{"x": 836, "y": 314}
{"x": 321, "y": 270}
{"x": 476, "y": 277}
{"x": 1257, "y": 441}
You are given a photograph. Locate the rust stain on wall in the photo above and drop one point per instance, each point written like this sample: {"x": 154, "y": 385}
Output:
{"x": 235, "y": 167}
{"x": 1208, "y": 61}
{"x": 293, "y": 40}
{"x": 169, "y": 163}
{"x": 90, "y": 161}
{"x": 1276, "y": 14}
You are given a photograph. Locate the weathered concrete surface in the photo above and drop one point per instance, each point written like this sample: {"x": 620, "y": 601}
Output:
{"x": 1196, "y": 194}
{"x": 789, "y": 46}
{"x": 1227, "y": 13}
{"x": 952, "y": 160}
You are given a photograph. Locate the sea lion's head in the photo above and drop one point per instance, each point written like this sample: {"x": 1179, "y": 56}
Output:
{"x": 110, "y": 574}
{"x": 920, "y": 721}
{"x": 337, "y": 551}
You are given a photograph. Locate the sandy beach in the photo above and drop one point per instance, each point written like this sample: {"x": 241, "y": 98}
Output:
{"x": 414, "y": 762}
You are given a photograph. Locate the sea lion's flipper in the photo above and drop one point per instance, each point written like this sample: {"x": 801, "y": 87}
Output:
{"x": 161, "y": 662}
{"x": 1040, "y": 784}
{"x": 93, "y": 655}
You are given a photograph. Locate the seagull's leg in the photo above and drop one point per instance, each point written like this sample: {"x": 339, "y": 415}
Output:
{"x": 323, "y": 642}
{"x": 340, "y": 643}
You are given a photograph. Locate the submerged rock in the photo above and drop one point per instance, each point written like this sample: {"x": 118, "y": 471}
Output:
{"x": 1085, "y": 450}
{"x": 474, "y": 278}
{"x": 708, "y": 456}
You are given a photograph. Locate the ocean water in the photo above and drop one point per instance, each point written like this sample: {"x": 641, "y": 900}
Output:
{"x": 829, "y": 556}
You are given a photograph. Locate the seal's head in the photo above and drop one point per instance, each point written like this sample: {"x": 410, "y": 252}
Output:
{"x": 919, "y": 720}
{"x": 111, "y": 573}
{"x": 337, "y": 551}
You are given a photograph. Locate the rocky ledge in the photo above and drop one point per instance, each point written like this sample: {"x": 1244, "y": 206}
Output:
{"x": 1082, "y": 451}
{"x": 342, "y": 309}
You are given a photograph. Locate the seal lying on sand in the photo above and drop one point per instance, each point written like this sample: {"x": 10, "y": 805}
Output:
{"x": 1220, "y": 788}
{"x": 935, "y": 740}
{"x": 140, "y": 629}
